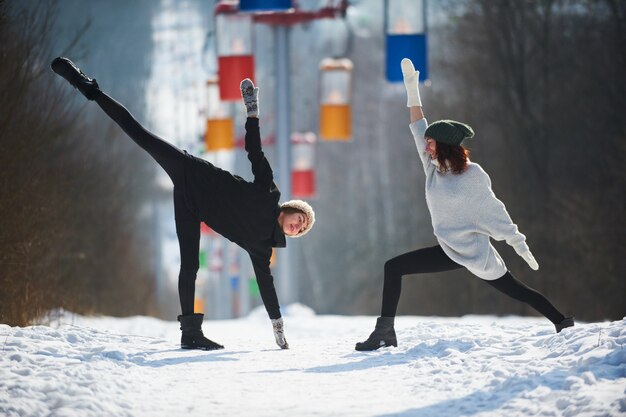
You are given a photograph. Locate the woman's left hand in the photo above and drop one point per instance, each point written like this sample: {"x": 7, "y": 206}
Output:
{"x": 530, "y": 259}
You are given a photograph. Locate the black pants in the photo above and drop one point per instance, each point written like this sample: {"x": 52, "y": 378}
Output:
{"x": 172, "y": 160}
{"x": 434, "y": 259}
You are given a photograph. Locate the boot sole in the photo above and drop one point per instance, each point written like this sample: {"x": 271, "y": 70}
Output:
{"x": 187, "y": 347}
{"x": 65, "y": 69}
{"x": 367, "y": 348}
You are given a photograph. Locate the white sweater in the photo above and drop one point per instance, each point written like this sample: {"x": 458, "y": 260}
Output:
{"x": 465, "y": 213}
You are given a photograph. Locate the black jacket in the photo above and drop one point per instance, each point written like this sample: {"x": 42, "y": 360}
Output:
{"x": 244, "y": 212}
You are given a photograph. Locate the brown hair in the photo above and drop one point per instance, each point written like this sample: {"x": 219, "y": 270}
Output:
{"x": 452, "y": 157}
{"x": 292, "y": 210}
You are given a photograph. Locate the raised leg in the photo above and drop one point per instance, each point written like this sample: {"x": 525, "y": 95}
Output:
{"x": 167, "y": 155}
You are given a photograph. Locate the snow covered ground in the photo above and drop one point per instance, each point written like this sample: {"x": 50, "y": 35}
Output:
{"x": 469, "y": 366}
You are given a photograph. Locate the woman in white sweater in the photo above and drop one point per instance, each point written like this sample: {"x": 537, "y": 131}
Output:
{"x": 465, "y": 215}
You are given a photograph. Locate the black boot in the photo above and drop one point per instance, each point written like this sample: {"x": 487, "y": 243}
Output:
{"x": 192, "y": 337}
{"x": 567, "y": 322}
{"x": 383, "y": 335}
{"x": 68, "y": 70}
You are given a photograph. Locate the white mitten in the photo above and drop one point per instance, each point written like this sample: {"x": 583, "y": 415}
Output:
{"x": 530, "y": 259}
{"x": 279, "y": 333}
{"x": 411, "y": 79}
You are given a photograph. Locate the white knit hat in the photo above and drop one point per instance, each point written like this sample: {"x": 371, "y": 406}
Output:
{"x": 305, "y": 208}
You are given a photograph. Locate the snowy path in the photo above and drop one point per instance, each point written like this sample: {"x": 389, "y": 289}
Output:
{"x": 470, "y": 366}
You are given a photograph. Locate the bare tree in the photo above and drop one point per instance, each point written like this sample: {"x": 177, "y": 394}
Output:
{"x": 64, "y": 240}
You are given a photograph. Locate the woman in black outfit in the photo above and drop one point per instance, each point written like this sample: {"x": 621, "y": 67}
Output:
{"x": 247, "y": 213}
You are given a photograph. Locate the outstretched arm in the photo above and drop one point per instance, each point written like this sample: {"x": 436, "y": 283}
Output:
{"x": 500, "y": 226}
{"x": 416, "y": 113}
{"x": 260, "y": 257}
{"x": 411, "y": 80}
{"x": 263, "y": 176}
{"x": 414, "y": 103}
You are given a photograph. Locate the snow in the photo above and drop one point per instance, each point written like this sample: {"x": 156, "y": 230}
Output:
{"x": 468, "y": 366}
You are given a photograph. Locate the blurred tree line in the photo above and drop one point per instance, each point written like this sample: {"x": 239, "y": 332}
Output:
{"x": 71, "y": 195}
{"x": 543, "y": 85}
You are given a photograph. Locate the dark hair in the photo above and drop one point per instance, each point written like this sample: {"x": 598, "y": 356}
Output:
{"x": 455, "y": 155}
{"x": 292, "y": 210}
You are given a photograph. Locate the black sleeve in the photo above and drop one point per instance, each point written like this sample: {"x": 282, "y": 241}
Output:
{"x": 260, "y": 257}
{"x": 263, "y": 175}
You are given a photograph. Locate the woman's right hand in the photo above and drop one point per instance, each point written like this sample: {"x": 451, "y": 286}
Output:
{"x": 411, "y": 80}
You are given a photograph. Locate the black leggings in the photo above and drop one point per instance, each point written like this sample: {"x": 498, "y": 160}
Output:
{"x": 172, "y": 160}
{"x": 434, "y": 259}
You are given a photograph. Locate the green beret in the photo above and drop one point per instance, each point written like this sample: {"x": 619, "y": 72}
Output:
{"x": 449, "y": 131}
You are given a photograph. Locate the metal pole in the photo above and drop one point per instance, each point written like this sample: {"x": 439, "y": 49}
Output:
{"x": 283, "y": 147}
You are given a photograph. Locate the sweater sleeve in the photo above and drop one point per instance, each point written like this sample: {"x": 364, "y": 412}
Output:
{"x": 497, "y": 221}
{"x": 261, "y": 169}
{"x": 263, "y": 175}
{"x": 260, "y": 257}
{"x": 417, "y": 129}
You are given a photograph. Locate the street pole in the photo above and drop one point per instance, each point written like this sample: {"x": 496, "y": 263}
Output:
{"x": 286, "y": 287}
{"x": 281, "y": 22}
